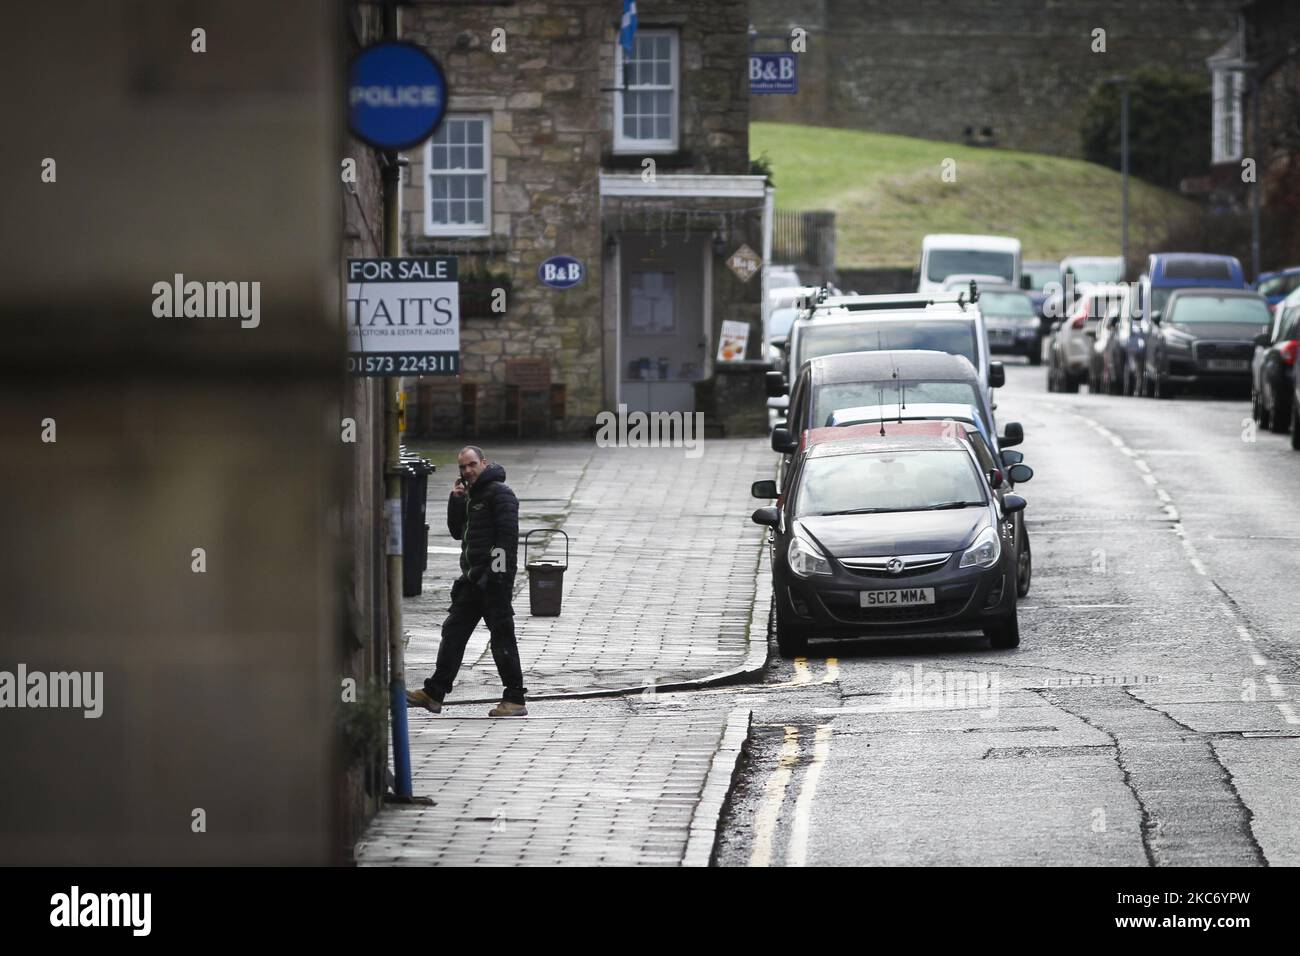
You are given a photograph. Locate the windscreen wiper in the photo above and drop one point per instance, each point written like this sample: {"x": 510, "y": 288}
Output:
{"x": 951, "y": 504}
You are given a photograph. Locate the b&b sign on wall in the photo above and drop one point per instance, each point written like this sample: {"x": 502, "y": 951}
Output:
{"x": 773, "y": 73}
{"x": 561, "y": 272}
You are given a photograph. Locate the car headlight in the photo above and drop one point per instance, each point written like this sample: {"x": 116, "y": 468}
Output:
{"x": 806, "y": 559}
{"x": 984, "y": 553}
{"x": 1178, "y": 340}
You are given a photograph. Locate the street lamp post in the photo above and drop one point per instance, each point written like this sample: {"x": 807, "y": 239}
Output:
{"x": 1123, "y": 169}
{"x": 1252, "y": 71}
{"x": 1122, "y": 83}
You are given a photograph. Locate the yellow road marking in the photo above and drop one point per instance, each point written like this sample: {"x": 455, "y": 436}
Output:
{"x": 773, "y": 797}
{"x": 798, "y": 855}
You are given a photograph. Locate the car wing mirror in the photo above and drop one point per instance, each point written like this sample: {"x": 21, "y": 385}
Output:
{"x": 997, "y": 375}
{"x": 1010, "y": 457}
{"x": 780, "y": 403}
{"x": 776, "y": 386}
{"x": 1019, "y": 473}
{"x": 1011, "y": 503}
{"x": 782, "y": 441}
{"x": 995, "y": 477}
{"x": 770, "y": 516}
{"x": 1014, "y": 435}
{"x": 763, "y": 489}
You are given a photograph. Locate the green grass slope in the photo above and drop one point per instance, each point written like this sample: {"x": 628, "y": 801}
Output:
{"x": 887, "y": 192}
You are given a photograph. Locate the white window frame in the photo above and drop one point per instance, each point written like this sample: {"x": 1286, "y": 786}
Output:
{"x": 623, "y": 144}
{"x": 432, "y": 228}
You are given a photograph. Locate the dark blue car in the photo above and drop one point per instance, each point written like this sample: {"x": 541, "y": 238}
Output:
{"x": 1166, "y": 272}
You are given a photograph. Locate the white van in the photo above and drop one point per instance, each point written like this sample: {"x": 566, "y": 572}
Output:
{"x": 949, "y": 255}
{"x": 866, "y": 323}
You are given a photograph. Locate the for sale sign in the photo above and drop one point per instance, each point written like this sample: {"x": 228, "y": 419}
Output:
{"x": 403, "y": 316}
{"x": 773, "y": 73}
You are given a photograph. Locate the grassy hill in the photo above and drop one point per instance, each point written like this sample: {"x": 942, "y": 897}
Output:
{"x": 887, "y": 193}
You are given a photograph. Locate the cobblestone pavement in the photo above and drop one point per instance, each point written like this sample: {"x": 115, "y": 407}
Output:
{"x": 664, "y": 567}
{"x": 593, "y": 784}
{"x": 661, "y": 576}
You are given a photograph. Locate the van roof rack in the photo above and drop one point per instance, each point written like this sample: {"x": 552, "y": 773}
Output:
{"x": 882, "y": 301}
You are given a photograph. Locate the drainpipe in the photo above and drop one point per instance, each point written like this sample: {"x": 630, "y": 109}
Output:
{"x": 765, "y": 308}
{"x": 391, "y": 178}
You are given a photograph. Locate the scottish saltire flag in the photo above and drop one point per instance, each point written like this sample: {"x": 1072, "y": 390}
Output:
{"x": 627, "y": 32}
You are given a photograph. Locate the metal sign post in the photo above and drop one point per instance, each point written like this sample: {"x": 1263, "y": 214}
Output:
{"x": 397, "y": 96}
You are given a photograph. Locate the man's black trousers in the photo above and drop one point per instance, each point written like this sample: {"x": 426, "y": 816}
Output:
{"x": 469, "y": 604}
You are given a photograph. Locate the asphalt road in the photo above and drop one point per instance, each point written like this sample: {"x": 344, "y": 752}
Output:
{"x": 1151, "y": 715}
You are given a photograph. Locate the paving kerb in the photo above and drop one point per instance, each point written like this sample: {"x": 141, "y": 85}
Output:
{"x": 703, "y": 836}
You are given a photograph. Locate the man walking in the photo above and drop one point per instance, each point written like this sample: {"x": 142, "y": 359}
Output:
{"x": 483, "y": 514}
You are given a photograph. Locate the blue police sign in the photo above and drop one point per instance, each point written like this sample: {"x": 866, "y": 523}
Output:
{"x": 773, "y": 73}
{"x": 561, "y": 272}
{"x": 397, "y": 95}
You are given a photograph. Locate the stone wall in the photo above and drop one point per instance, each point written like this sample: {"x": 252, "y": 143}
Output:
{"x": 549, "y": 96}
{"x": 931, "y": 68}
{"x": 714, "y": 94}
{"x": 546, "y": 145}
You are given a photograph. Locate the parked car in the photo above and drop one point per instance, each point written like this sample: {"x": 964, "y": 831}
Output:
{"x": 956, "y": 283}
{"x": 944, "y": 323}
{"x": 884, "y": 536}
{"x": 946, "y": 255}
{"x": 1295, "y": 415}
{"x": 778, "y": 333}
{"x": 1108, "y": 350}
{"x": 1093, "y": 269}
{"x": 1104, "y": 357}
{"x": 1204, "y": 336}
{"x": 1166, "y": 272}
{"x": 964, "y": 421}
{"x": 1069, "y": 350}
{"x": 1078, "y": 274}
{"x": 781, "y": 277}
{"x": 1272, "y": 367}
{"x": 1276, "y": 286}
{"x": 891, "y": 378}
{"x": 1011, "y": 323}
{"x": 1042, "y": 273}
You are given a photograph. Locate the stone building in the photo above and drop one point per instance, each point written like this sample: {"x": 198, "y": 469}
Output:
{"x": 1255, "y": 115}
{"x": 1023, "y": 69}
{"x": 639, "y": 171}
{"x": 364, "y": 655}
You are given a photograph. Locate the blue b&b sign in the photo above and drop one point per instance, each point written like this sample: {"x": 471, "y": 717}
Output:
{"x": 561, "y": 272}
{"x": 773, "y": 73}
{"x": 397, "y": 95}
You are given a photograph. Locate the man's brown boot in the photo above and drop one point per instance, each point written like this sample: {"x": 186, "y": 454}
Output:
{"x": 508, "y": 708}
{"x": 421, "y": 698}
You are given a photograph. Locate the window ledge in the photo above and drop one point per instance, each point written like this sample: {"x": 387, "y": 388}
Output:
{"x": 457, "y": 245}
{"x": 630, "y": 158}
